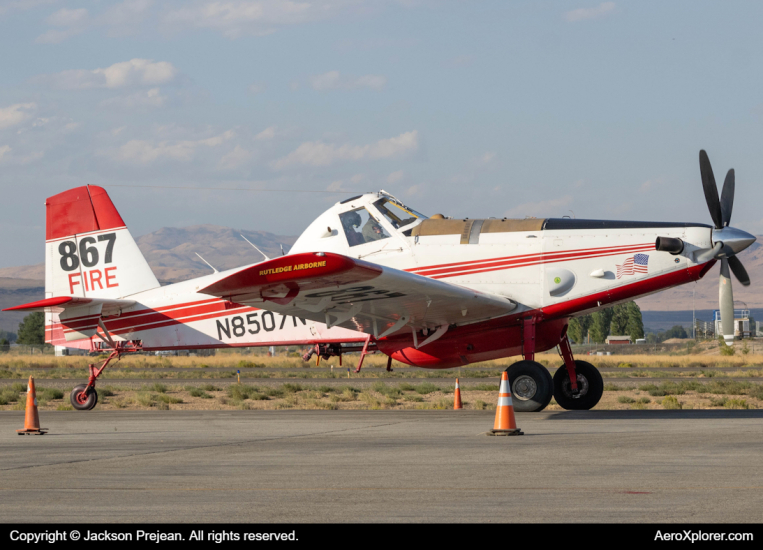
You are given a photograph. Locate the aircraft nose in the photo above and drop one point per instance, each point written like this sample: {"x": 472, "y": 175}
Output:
{"x": 734, "y": 240}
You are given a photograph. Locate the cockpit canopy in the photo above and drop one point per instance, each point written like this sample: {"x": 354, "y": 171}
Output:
{"x": 360, "y": 220}
{"x": 363, "y": 225}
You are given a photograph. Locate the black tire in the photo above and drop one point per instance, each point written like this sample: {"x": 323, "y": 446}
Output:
{"x": 83, "y": 401}
{"x": 531, "y": 386}
{"x": 590, "y": 384}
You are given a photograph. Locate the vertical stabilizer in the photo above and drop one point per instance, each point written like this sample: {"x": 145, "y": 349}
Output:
{"x": 89, "y": 251}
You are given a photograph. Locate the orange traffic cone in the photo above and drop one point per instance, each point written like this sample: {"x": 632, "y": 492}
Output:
{"x": 505, "y": 424}
{"x": 31, "y": 419}
{"x": 457, "y": 399}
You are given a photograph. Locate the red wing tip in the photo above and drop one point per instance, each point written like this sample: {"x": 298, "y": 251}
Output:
{"x": 48, "y": 302}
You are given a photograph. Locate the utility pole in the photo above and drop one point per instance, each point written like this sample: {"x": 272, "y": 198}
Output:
{"x": 693, "y": 313}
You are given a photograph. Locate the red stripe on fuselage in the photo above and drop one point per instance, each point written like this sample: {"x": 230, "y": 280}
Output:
{"x": 439, "y": 272}
{"x": 622, "y": 248}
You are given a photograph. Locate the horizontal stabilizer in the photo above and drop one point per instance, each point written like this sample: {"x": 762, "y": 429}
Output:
{"x": 79, "y": 317}
{"x": 59, "y": 303}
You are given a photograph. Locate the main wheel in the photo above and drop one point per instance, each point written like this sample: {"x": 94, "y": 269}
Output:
{"x": 531, "y": 386}
{"x": 590, "y": 386}
{"x": 83, "y": 400}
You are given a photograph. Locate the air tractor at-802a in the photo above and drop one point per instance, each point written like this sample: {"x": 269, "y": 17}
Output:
{"x": 372, "y": 274}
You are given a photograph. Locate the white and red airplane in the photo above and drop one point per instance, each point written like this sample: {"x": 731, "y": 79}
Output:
{"x": 430, "y": 292}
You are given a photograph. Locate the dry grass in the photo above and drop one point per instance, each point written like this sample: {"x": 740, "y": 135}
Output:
{"x": 387, "y": 396}
{"x": 253, "y": 363}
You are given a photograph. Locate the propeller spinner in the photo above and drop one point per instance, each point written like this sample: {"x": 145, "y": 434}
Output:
{"x": 727, "y": 241}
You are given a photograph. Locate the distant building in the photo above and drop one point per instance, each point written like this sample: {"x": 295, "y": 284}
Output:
{"x": 741, "y": 323}
{"x": 619, "y": 340}
{"x": 641, "y": 340}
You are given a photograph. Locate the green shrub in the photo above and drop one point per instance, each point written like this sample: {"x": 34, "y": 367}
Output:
{"x": 386, "y": 390}
{"x": 736, "y": 404}
{"x": 484, "y": 387}
{"x": 145, "y": 399}
{"x": 164, "y": 398}
{"x": 241, "y": 392}
{"x": 48, "y": 394}
{"x": 671, "y": 402}
{"x": 425, "y": 388}
{"x": 210, "y": 387}
{"x": 415, "y": 398}
{"x": 624, "y": 366}
{"x": 480, "y": 405}
{"x": 292, "y": 388}
{"x": 158, "y": 388}
{"x": 625, "y": 399}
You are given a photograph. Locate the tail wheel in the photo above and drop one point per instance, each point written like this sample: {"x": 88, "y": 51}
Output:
{"x": 531, "y": 386}
{"x": 83, "y": 398}
{"x": 590, "y": 386}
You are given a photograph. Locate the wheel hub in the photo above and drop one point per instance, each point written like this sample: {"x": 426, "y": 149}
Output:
{"x": 81, "y": 397}
{"x": 524, "y": 387}
{"x": 582, "y": 387}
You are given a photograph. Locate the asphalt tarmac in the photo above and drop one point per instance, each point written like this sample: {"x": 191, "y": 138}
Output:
{"x": 383, "y": 466}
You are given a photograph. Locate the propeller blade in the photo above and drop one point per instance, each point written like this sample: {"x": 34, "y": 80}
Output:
{"x": 727, "y": 198}
{"x": 711, "y": 190}
{"x": 726, "y": 303}
{"x": 739, "y": 271}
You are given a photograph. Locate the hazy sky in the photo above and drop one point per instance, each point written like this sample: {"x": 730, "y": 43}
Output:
{"x": 472, "y": 109}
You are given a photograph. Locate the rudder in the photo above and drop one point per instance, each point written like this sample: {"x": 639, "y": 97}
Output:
{"x": 89, "y": 252}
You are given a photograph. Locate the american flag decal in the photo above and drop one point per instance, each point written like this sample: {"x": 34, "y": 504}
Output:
{"x": 636, "y": 264}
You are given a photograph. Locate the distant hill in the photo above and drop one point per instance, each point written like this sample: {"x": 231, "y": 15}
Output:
{"x": 706, "y": 290}
{"x": 13, "y": 292}
{"x": 171, "y": 251}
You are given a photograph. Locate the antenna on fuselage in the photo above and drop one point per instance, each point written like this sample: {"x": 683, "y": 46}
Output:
{"x": 206, "y": 262}
{"x": 257, "y": 249}
{"x": 282, "y": 252}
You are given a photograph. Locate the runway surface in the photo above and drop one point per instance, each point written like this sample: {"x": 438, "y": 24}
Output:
{"x": 383, "y": 466}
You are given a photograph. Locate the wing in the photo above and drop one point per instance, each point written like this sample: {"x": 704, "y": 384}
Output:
{"x": 363, "y": 296}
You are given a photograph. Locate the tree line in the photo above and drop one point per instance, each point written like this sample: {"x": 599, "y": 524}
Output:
{"x": 620, "y": 320}
{"x": 31, "y": 332}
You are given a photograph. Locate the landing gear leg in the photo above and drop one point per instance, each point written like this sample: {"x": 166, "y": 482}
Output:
{"x": 578, "y": 385}
{"x": 530, "y": 382}
{"x": 84, "y": 397}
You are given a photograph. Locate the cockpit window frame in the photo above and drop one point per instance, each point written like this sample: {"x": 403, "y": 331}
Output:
{"x": 380, "y": 207}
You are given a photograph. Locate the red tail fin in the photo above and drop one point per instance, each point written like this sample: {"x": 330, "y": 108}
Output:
{"x": 80, "y": 210}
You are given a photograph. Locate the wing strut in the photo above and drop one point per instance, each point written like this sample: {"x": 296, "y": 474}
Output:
{"x": 363, "y": 353}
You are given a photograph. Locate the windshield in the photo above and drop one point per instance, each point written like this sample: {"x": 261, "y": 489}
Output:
{"x": 397, "y": 214}
{"x": 361, "y": 228}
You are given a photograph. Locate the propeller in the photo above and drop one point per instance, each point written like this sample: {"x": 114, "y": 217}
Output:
{"x": 727, "y": 242}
